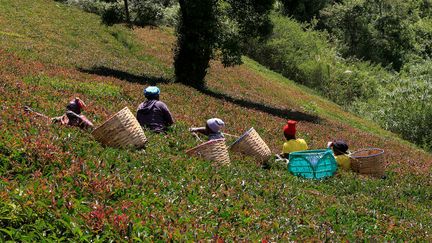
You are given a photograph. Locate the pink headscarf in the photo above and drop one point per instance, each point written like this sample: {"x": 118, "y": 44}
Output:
{"x": 215, "y": 124}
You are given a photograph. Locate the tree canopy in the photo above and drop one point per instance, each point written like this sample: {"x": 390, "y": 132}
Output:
{"x": 212, "y": 28}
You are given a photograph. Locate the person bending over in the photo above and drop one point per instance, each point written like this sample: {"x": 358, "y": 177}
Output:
{"x": 73, "y": 116}
{"x": 340, "y": 150}
{"x": 212, "y": 129}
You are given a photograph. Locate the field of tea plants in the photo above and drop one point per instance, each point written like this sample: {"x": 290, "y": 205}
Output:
{"x": 58, "y": 184}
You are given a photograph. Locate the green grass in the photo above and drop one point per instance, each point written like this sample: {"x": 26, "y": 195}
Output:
{"x": 58, "y": 184}
{"x": 50, "y": 32}
{"x": 92, "y": 89}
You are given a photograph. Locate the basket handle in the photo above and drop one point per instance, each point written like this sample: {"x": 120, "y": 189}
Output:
{"x": 197, "y": 137}
{"x": 230, "y": 135}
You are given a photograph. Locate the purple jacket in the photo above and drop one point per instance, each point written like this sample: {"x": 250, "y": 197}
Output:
{"x": 155, "y": 115}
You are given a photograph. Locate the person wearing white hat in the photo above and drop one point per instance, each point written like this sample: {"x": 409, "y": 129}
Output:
{"x": 212, "y": 129}
{"x": 153, "y": 113}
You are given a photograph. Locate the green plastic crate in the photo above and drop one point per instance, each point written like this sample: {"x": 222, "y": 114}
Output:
{"x": 312, "y": 164}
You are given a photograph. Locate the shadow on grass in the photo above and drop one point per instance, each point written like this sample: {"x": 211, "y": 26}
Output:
{"x": 151, "y": 80}
{"x": 282, "y": 113}
{"x": 122, "y": 75}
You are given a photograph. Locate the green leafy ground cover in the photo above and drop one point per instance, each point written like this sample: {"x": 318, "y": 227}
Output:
{"x": 57, "y": 183}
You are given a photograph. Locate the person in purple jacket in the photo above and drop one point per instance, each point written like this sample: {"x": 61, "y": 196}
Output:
{"x": 153, "y": 113}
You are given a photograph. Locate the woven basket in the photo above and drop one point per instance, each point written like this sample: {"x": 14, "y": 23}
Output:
{"x": 368, "y": 161}
{"x": 121, "y": 131}
{"x": 214, "y": 150}
{"x": 252, "y": 144}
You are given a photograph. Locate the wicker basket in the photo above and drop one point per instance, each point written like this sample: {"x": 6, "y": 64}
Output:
{"x": 368, "y": 161}
{"x": 214, "y": 150}
{"x": 121, "y": 131}
{"x": 252, "y": 144}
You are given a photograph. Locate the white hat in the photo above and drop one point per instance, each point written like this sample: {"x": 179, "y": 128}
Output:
{"x": 215, "y": 124}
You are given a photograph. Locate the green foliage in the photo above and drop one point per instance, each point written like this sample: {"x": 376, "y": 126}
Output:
{"x": 403, "y": 104}
{"x": 423, "y": 35}
{"x": 91, "y": 6}
{"x": 113, "y": 14}
{"x": 305, "y": 56}
{"x": 395, "y": 101}
{"x": 147, "y": 12}
{"x": 382, "y": 31}
{"x": 305, "y": 10}
{"x": 142, "y": 12}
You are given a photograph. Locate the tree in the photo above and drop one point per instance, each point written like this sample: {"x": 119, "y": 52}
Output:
{"x": 210, "y": 27}
{"x": 389, "y": 32}
{"x": 195, "y": 41}
{"x": 207, "y": 29}
{"x": 126, "y": 5}
{"x": 305, "y": 10}
{"x": 135, "y": 12}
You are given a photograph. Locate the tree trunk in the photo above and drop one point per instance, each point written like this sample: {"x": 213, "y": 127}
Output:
{"x": 195, "y": 41}
{"x": 127, "y": 13}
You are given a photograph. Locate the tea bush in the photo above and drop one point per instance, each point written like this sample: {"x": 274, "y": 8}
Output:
{"x": 58, "y": 184}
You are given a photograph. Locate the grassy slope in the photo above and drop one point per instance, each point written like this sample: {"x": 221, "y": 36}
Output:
{"x": 58, "y": 181}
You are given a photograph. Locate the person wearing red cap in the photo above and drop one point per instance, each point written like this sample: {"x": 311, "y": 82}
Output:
{"x": 73, "y": 116}
{"x": 292, "y": 144}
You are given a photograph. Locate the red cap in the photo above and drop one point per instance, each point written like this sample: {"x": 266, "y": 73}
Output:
{"x": 290, "y": 128}
{"x": 80, "y": 103}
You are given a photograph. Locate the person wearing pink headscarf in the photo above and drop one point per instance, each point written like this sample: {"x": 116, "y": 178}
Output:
{"x": 212, "y": 129}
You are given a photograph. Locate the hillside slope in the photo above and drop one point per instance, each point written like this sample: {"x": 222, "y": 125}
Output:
{"x": 60, "y": 183}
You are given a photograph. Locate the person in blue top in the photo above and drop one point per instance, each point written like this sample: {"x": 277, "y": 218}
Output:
{"x": 153, "y": 113}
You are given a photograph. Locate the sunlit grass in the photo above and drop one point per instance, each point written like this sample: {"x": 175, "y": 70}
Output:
{"x": 93, "y": 89}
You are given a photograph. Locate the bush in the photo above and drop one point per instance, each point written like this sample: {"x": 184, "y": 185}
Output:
{"x": 384, "y": 32}
{"x": 113, "y": 14}
{"x": 306, "y": 56}
{"x": 91, "y": 6}
{"x": 146, "y": 12}
{"x": 142, "y": 12}
{"x": 304, "y": 10}
{"x": 403, "y": 104}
